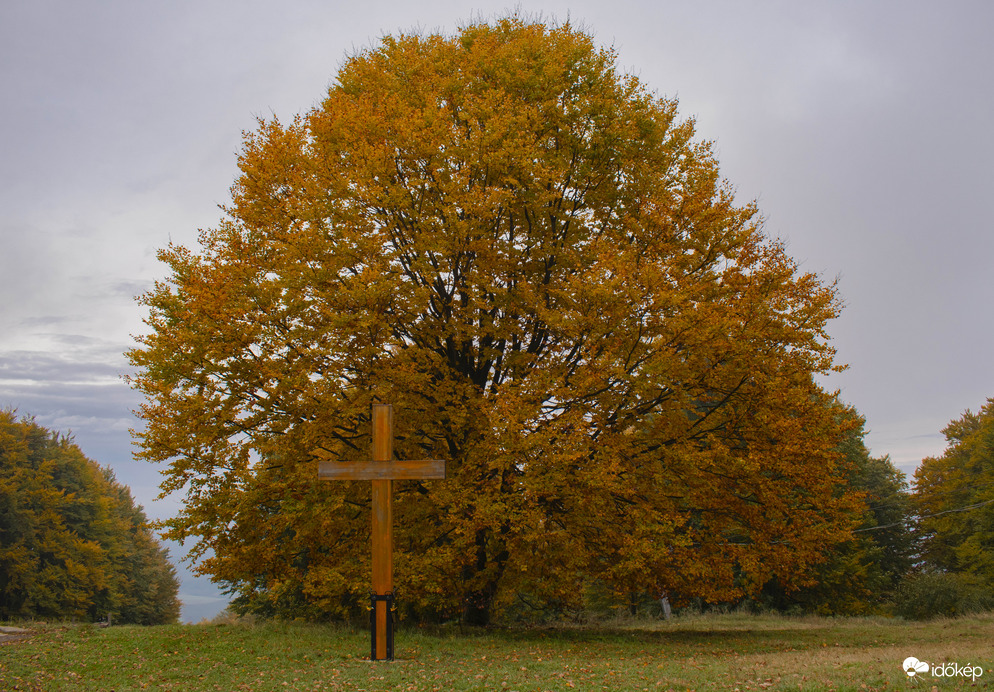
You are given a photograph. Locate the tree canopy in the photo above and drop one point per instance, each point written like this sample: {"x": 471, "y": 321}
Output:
{"x": 72, "y": 542}
{"x": 537, "y": 263}
{"x": 955, "y": 498}
{"x": 860, "y": 575}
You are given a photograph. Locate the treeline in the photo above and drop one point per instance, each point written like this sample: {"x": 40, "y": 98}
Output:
{"x": 917, "y": 550}
{"x": 954, "y": 506}
{"x": 920, "y": 551}
{"x": 72, "y": 542}
{"x": 859, "y": 575}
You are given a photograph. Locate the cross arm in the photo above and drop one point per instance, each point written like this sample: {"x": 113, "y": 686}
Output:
{"x": 399, "y": 470}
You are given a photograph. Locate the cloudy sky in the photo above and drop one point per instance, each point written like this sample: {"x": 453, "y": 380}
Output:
{"x": 862, "y": 128}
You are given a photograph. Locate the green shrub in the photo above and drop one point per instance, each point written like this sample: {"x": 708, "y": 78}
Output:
{"x": 929, "y": 595}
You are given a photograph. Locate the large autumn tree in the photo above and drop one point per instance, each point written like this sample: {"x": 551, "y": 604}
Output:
{"x": 534, "y": 260}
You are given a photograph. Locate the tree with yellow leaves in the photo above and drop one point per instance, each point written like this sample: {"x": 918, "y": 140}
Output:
{"x": 533, "y": 259}
{"x": 72, "y": 542}
{"x": 954, "y": 494}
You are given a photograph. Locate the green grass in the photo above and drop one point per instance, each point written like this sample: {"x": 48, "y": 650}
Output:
{"x": 706, "y": 652}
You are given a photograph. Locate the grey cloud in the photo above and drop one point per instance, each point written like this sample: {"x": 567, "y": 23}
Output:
{"x": 131, "y": 288}
{"x": 47, "y": 321}
{"x": 87, "y": 360}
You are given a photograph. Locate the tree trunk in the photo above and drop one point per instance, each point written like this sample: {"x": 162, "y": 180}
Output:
{"x": 476, "y": 612}
{"x": 478, "y": 601}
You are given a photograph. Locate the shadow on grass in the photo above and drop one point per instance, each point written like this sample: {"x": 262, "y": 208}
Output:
{"x": 691, "y": 637}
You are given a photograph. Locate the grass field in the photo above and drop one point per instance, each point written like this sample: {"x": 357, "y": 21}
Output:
{"x": 726, "y": 652}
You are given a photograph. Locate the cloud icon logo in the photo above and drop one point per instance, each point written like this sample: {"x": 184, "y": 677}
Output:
{"x": 912, "y": 666}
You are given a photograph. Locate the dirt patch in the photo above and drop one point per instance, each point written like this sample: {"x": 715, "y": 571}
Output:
{"x": 9, "y": 635}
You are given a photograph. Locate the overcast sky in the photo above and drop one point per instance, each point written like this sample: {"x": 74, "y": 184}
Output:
{"x": 863, "y": 129}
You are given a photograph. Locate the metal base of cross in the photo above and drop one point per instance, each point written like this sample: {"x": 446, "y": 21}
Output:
{"x": 375, "y": 598}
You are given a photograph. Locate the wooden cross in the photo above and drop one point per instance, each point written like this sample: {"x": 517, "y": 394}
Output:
{"x": 382, "y": 471}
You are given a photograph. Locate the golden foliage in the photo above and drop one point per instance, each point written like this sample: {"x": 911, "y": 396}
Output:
{"x": 954, "y": 494}
{"x": 535, "y": 262}
{"x": 72, "y": 542}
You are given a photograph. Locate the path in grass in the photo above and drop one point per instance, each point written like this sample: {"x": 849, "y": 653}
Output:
{"x": 722, "y": 653}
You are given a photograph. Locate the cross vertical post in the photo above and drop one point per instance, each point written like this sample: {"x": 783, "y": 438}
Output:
{"x": 382, "y": 532}
{"x": 383, "y": 470}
